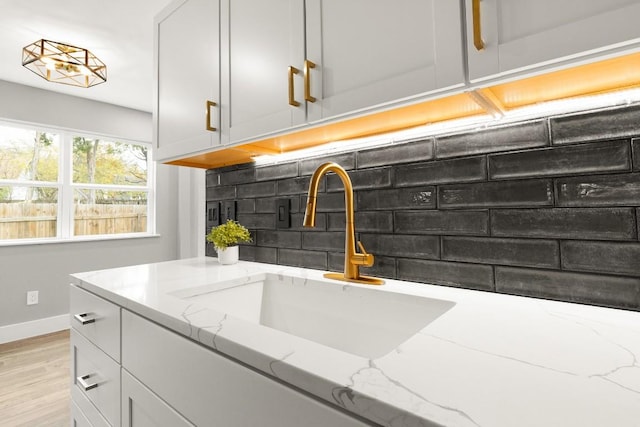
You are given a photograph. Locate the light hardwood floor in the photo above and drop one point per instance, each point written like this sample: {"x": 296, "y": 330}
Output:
{"x": 35, "y": 383}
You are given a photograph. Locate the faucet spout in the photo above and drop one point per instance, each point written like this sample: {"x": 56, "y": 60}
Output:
{"x": 352, "y": 259}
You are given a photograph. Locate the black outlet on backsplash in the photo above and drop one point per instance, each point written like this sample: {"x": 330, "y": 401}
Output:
{"x": 228, "y": 211}
{"x": 546, "y": 208}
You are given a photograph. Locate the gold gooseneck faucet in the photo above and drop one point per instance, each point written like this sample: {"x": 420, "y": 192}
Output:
{"x": 352, "y": 259}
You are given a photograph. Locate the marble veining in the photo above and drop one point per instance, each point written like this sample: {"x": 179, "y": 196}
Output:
{"x": 489, "y": 361}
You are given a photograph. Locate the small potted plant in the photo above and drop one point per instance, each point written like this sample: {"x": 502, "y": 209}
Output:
{"x": 225, "y": 238}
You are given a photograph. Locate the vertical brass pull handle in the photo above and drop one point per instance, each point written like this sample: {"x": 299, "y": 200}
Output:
{"x": 208, "y": 119}
{"x": 307, "y": 85}
{"x": 477, "y": 29}
{"x": 292, "y": 101}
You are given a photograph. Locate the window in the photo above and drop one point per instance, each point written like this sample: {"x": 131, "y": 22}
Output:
{"x": 63, "y": 185}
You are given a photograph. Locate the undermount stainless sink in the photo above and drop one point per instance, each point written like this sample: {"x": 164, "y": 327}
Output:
{"x": 363, "y": 321}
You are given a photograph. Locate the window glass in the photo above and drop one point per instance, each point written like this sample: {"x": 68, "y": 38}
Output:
{"x": 109, "y": 212}
{"x": 97, "y": 161}
{"x": 28, "y": 212}
{"x": 106, "y": 188}
{"x": 28, "y": 155}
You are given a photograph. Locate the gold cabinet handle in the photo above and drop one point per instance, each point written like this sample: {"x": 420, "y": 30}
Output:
{"x": 477, "y": 29}
{"x": 307, "y": 85}
{"x": 208, "y": 119}
{"x": 292, "y": 101}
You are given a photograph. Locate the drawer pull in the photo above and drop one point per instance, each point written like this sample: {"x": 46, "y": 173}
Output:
{"x": 84, "y": 384}
{"x": 84, "y": 318}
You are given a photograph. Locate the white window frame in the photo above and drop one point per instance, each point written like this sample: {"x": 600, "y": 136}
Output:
{"x": 66, "y": 187}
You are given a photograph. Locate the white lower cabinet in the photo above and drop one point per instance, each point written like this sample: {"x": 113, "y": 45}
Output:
{"x": 162, "y": 379}
{"x": 211, "y": 390}
{"x": 142, "y": 408}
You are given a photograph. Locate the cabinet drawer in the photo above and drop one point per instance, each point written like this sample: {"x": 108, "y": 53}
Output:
{"x": 83, "y": 413}
{"x": 77, "y": 417}
{"x": 142, "y": 408}
{"x": 97, "y": 319}
{"x": 209, "y": 389}
{"x": 96, "y": 376}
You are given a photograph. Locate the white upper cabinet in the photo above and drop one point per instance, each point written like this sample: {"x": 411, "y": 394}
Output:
{"x": 186, "y": 110}
{"x": 238, "y": 71}
{"x": 374, "y": 52}
{"x": 263, "y": 52}
{"x": 360, "y": 54}
{"x": 521, "y": 35}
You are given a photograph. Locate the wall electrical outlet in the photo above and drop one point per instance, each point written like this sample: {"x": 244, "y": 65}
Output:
{"x": 32, "y": 297}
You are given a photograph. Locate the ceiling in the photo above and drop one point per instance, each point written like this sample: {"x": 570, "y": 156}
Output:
{"x": 118, "y": 32}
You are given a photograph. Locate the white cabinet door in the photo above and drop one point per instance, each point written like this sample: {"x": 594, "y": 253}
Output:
{"x": 372, "y": 52}
{"x": 524, "y": 34}
{"x": 261, "y": 40}
{"x": 142, "y": 408}
{"x": 209, "y": 389}
{"x": 188, "y": 78}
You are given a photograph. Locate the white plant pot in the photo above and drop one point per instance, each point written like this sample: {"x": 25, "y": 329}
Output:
{"x": 228, "y": 255}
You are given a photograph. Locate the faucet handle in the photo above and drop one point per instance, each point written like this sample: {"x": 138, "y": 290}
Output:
{"x": 363, "y": 258}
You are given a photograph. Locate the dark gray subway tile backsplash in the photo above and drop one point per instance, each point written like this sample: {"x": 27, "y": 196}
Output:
{"x": 496, "y": 194}
{"x": 597, "y": 157}
{"x": 503, "y": 138}
{"x": 610, "y": 291}
{"x": 303, "y": 258}
{"x": 308, "y": 166}
{"x": 607, "y": 257}
{"x": 546, "y": 208}
{"x": 287, "y": 170}
{"x": 362, "y": 179}
{"x": 374, "y": 222}
{"x": 408, "y": 246}
{"x": 591, "y": 126}
{"x": 496, "y": 251}
{"x": 475, "y": 223}
{"x": 565, "y": 223}
{"x": 464, "y": 275}
{"x": 599, "y": 190}
{"x": 414, "y": 151}
{"x": 400, "y": 198}
{"x": 442, "y": 172}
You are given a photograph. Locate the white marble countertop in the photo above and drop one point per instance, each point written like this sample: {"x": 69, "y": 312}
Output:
{"x": 491, "y": 360}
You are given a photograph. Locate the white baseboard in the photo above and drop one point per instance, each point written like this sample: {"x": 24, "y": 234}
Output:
{"x": 33, "y": 328}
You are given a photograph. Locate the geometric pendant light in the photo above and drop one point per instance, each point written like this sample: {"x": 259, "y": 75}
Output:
{"x": 63, "y": 63}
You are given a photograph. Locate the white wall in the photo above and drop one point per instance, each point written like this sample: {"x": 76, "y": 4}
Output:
{"x": 46, "y": 267}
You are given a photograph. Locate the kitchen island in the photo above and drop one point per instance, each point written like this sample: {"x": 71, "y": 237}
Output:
{"x": 486, "y": 360}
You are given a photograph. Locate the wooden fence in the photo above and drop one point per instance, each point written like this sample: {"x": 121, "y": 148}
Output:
{"x": 37, "y": 220}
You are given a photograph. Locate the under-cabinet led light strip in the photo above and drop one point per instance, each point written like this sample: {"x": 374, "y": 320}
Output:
{"x": 536, "y": 111}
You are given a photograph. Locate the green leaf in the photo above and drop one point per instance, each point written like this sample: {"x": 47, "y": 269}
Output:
{"x": 228, "y": 234}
